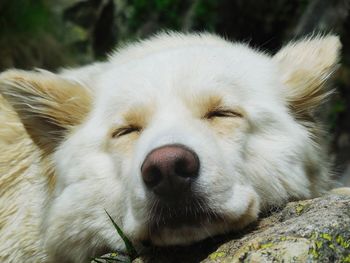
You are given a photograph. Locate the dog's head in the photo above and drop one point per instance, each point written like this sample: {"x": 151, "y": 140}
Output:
{"x": 178, "y": 137}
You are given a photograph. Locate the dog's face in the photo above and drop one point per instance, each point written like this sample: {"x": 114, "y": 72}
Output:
{"x": 179, "y": 143}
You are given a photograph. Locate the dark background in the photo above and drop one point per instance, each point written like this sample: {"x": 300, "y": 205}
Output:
{"x": 53, "y": 34}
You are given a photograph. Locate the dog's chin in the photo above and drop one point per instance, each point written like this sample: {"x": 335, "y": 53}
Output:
{"x": 182, "y": 230}
{"x": 188, "y": 234}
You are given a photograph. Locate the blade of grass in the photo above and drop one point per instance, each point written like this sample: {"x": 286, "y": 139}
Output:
{"x": 129, "y": 247}
{"x": 109, "y": 260}
{"x": 96, "y": 260}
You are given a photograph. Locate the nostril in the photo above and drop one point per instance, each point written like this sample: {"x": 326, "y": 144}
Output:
{"x": 186, "y": 167}
{"x": 180, "y": 168}
{"x": 152, "y": 175}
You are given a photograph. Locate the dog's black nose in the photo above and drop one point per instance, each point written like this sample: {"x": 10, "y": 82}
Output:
{"x": 169, "y": 171}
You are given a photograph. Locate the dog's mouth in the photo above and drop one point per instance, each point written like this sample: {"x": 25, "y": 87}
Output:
{"x": 188, "y": 213}
{"x": 183, "y": 223}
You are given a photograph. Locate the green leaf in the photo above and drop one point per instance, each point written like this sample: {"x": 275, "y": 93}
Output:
{"x": 129, "y": 247}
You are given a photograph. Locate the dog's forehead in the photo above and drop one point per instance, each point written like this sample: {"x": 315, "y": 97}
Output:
{"x": 179, "y": 74}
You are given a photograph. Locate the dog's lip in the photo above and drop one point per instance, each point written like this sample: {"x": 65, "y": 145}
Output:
{"x": 190, "y": 213}
{"x": 178, "y": 221}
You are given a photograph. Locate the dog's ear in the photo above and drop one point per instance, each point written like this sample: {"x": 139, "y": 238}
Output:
{"x": 47, "y": 104}
{"x": 305, "y": 66}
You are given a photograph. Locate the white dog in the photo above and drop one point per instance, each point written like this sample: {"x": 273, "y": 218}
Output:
{"x": 178, "y": 137}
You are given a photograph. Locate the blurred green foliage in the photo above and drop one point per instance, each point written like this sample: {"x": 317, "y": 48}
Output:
{"x": 25, "y": 17}
{"x": 166, "y": 10}
{"x": 206, "y": 16}
{"x": 28, "y": 35}
{"x": 181, "y": 15}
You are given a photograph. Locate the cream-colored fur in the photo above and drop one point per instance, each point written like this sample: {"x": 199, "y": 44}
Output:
{"x": 61, "y": 164}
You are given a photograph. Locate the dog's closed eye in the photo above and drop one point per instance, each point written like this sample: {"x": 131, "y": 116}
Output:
{"x": 222, "y": 113}
{"x": 125, "y": 130}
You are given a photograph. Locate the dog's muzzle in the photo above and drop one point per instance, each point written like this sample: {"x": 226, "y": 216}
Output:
{"x": 170, "y": 174}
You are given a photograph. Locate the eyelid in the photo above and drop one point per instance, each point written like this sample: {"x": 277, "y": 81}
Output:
{"x": 125, "y": 130}
{"x": 223, "y": 112}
